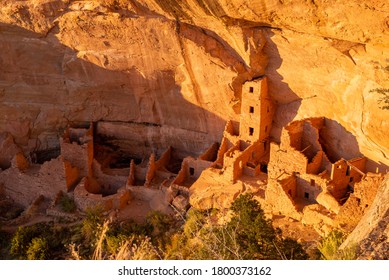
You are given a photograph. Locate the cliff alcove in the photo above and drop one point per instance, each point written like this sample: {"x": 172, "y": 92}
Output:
{"x": 177, "y": 104}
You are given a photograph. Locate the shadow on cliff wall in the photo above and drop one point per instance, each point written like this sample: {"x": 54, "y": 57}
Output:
{"x": 288, "y": 102}
{"x": 41, "y": 79}
{"x": 336, "y": 140}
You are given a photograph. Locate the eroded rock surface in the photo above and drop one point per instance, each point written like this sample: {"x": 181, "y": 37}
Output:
{"x": 371, "y": 234}
{"x": 153, "y": 74}
{"x": 179, "y": 64}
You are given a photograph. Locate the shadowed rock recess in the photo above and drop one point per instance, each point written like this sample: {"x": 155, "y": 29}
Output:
{"x": 141, "y": 105}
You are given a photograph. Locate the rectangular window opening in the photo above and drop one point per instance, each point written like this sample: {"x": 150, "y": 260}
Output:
{"x": 191, "y": 171}
{"x": 251, "y": 89}
{"x": 306, "y": 195}
{"x": 251, "y": 131}
{"x": 312, "y": 182}
{"x": 251, "y": 110}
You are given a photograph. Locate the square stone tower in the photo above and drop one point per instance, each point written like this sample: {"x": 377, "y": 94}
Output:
{"x": 256, "y": 112}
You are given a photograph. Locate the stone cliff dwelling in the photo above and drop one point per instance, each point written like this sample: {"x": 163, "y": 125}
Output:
{"x": 295, "y": 177}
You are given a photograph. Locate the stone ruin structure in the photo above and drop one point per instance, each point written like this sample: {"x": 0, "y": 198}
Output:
{"x": 303, "y": 183}
{"x": 294, "y": 178}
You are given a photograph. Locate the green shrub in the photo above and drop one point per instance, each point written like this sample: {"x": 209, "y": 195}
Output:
{"x": 67, "y": 204}
{"x": 248, "y": 235}
{"x": 159, "y": 222}
{"x": 21, "y": 241}
{"x": 194, "y": 223}
{"x": 91, "y": 223}
{"x": 329, "y": 247}
{"x": 38, "y": 249}
{"x": 40, "y": 240}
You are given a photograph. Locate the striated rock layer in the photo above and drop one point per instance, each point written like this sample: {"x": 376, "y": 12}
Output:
{"x": 169, "y": 73}
{"x": 180, "y": 64}
{"x": 371, "y": 234}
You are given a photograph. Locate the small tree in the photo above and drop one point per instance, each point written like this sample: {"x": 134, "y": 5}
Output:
{"x": 384, "y": 99}
{"x": 248, "y": 235}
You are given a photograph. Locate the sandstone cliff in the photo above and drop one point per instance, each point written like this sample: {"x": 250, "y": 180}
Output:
{"x": 371, "y": 234}
{"x": 151, "y": 61}
{"x": 170, "y": 72}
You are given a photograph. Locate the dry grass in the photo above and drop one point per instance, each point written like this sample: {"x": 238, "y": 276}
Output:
{"x": 131, "y": 249}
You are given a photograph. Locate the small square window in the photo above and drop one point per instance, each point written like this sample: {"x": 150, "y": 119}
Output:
{"x": 251, "y": 131}
{"x": 306, "y": 195}
{"x": 251, "y": 89}
{"x": 251, "y": 110}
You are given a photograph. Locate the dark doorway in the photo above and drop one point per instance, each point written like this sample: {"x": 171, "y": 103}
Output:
{"x": 263, "y": 168}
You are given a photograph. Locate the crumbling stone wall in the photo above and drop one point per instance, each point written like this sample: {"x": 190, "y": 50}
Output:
{"x": 182, "y": 175}
{"x": 71, "y": 175}
{"x": 343, "y": 175}
{"x": 77, "y": 148}
{"x": 163, "y": 161}
{"x": 109, "y": 184}
{"x": 292, "y": 134}
{"x": 196, "y": 166}
{"x": 131, "y": 176}
{"x": 280, "y": 200}
{"x": 359, "y": 202}
{"x": 151, "y": 168}
{"x": 84, "y": 199}
{"x": 360, "y": 164}
{"x": 20, "y": 162}
{"x": 310, "y": 140}
{"x": 46, "y": 179}
{"x": 319, "y": 164}
{"x": 287, "y": 160}
{"x": 211, "y": 153}
{"x": 308, "y": 187}
{"x": 224, "y": 147}
{"x": 156, "y": 199}
{"x": 314, "y": 167}
{"x": 289, "y": 185}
